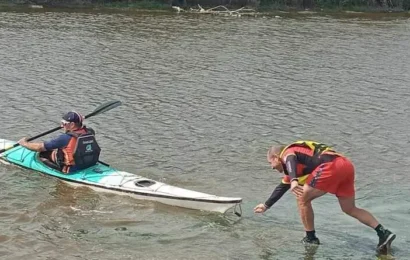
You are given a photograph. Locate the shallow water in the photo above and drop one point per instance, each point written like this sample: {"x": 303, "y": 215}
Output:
{"x": 203, "y": 98}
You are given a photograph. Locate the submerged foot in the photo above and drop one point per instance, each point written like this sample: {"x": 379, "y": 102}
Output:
{"x": 385, "y": 241}
{"x": 311, "y": 241}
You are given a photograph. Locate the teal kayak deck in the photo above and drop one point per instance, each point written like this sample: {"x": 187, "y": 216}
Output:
{"x": 30, "y": 159}
{"x": 104, "y": 178}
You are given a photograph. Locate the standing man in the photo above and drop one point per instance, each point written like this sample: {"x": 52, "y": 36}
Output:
{"x": 320, "y": 170}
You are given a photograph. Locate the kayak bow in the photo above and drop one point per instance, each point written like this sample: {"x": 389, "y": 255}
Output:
{"x": 101, "y": 177}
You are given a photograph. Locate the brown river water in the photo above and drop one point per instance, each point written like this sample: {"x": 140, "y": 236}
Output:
{"x": 203, "y": 99}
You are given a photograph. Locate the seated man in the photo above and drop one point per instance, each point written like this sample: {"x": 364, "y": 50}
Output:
{"x": 74, "y": 150}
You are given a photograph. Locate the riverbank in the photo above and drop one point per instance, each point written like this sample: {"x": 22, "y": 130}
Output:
{"x": 368, "y": 14}
{"x": 291, "y": 6}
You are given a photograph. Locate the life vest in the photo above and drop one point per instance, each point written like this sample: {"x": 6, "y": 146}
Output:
{"x": 318, "y": 150}
{"x": 82, "y": 151}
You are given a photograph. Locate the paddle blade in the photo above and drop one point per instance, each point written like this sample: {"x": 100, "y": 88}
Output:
{"x": 104, "y": 108}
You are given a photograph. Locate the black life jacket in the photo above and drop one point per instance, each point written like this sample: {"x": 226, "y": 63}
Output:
{"x": 86, "y": 151}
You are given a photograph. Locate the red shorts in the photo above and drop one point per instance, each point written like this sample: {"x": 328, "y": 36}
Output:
{"x": 336, "y": 177}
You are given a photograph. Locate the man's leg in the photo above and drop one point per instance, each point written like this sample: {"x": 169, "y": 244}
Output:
{"x": 45, "y": 157}
{"x": 306, "y": 211}
{"x": 348, "y": 206}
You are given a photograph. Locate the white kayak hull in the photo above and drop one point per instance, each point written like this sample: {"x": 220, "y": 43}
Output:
{"x": 103, "y": 178}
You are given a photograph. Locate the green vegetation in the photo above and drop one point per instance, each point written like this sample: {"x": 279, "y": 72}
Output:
{"x": 353, "y": 5}
{"x": 142, "y": 4}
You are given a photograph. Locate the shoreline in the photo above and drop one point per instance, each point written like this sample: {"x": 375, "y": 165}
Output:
{"x": 160, "y": 7}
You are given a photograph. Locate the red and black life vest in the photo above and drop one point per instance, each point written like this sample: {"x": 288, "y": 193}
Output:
{"x": 82, "y": 151}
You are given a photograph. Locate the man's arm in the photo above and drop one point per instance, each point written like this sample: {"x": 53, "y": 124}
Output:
{"x": 277, "y": 193}
{"x": 60, "y": 141}
{"x": 56, "y": 143}
{"x": 291, "y": 162}
{"x": 37, "y": 147}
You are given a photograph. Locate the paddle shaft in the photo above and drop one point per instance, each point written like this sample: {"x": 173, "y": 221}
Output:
{"x": 103, "y": 163}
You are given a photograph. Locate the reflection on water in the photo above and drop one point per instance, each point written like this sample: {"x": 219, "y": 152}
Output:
{"x": 310, "y": 252}
{"x": 66, "y": 195}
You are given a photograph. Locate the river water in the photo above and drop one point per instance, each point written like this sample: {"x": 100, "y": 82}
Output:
{"x": 203, "y": 99}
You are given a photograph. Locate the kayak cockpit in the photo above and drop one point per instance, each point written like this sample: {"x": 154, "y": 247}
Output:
{"x": 144, "y": 183}
{"x": 44, "y": 158}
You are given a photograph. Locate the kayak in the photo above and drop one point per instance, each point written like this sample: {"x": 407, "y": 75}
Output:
{"x": 102, "y": 177}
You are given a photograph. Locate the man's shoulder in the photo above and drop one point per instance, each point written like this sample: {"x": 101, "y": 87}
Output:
{"x": 63, "y": 136}
{"x": 289, "y": 150}
{"x": 296, "y": 148}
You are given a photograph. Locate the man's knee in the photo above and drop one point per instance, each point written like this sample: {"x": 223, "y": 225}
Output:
{"x": 301, "y": 202}
{"x": 305, "y": 199}
{"x": 348, "y": 206}
{"x": 349, "y": 210}
{"x": 310, "y": 193}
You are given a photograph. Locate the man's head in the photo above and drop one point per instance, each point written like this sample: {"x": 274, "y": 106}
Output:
{"x": 72, "y": 121}
{"x": 273, "y": 157}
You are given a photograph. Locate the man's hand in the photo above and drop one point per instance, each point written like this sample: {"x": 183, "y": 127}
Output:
{"x": 260, "y": 208}
{"x": 296, "y": 189}
{"x": 23, "y": 141}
